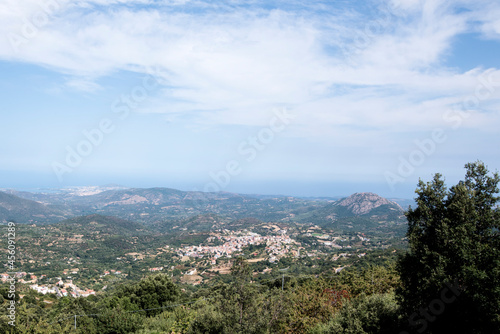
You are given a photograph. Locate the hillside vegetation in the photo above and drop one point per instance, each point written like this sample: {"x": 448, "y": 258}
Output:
{"x": 281, "y": 276}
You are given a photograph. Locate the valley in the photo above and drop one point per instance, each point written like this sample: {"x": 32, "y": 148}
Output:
{"x": 102, "y": 237}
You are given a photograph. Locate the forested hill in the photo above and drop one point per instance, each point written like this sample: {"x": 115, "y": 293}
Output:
{"x": 103, "y": 225}
{"x": 14, "y": 208}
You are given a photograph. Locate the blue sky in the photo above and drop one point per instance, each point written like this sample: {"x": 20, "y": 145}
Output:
{"x": 322, "y": 98}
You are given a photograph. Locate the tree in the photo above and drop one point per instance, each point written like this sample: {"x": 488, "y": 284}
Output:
{"x": 151, "y": 293}
{"x": 244, "y": 299}
{"x": 450, "y": 277}
{"x": 237, "y": 307}
{"x": 376, "y": 313}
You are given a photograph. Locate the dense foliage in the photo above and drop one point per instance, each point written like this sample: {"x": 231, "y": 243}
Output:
{"x": 451, "y": 275}
{"x": 156, "y": 305}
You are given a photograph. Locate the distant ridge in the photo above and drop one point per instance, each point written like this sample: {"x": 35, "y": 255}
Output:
{"x": 196, "y": 210}
{"x": 103, "y": 224}
{"x": 27, "y": 211}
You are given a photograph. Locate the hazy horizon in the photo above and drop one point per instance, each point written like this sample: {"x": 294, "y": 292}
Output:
{"x": 283, "y": 189}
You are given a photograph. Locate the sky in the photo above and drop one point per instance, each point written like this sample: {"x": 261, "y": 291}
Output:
{"x": 316, "y": 98}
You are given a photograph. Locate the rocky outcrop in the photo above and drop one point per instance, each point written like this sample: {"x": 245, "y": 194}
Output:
{"x": 363, "y": 203}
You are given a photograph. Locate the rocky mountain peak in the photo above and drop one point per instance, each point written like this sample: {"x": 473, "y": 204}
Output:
{"x": 362, "y": 203}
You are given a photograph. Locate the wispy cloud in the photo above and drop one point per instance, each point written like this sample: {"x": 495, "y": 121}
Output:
{"x": 353, "y": 71}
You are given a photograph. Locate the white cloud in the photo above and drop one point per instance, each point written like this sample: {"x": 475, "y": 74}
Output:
{"x": 235, "y": 65}
{"x": 82, "y": 84}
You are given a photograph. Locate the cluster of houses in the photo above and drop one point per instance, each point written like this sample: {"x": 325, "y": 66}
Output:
{"x": 19, "y": 276}
{"x": 62, "y": 289}
{"x": 235, "y": 243}
{"x": 155, "y": 269}
{"x": 362, "y": 238}
{"x": 112, "y": 271}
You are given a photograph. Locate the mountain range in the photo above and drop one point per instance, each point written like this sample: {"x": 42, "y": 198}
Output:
{"x": 170, "y": 207}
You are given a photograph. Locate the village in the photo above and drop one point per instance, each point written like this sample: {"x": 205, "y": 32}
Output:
{"x": 60, "y": 288}
{"x": 194, "y": 264}
{"x": 234, "y": 242}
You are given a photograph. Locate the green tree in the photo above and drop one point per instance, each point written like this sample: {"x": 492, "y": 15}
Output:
{"x": 117, "y": 320}
{"x": 151, "y": 293}
{"x": 375, "y": 314}
{"x": 450, "y": 277}
{"x": 236, "y": 307}
{"x": 208, "y": 321}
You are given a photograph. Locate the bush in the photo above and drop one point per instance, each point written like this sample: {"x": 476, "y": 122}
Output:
{"x": 364, "y": 315}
